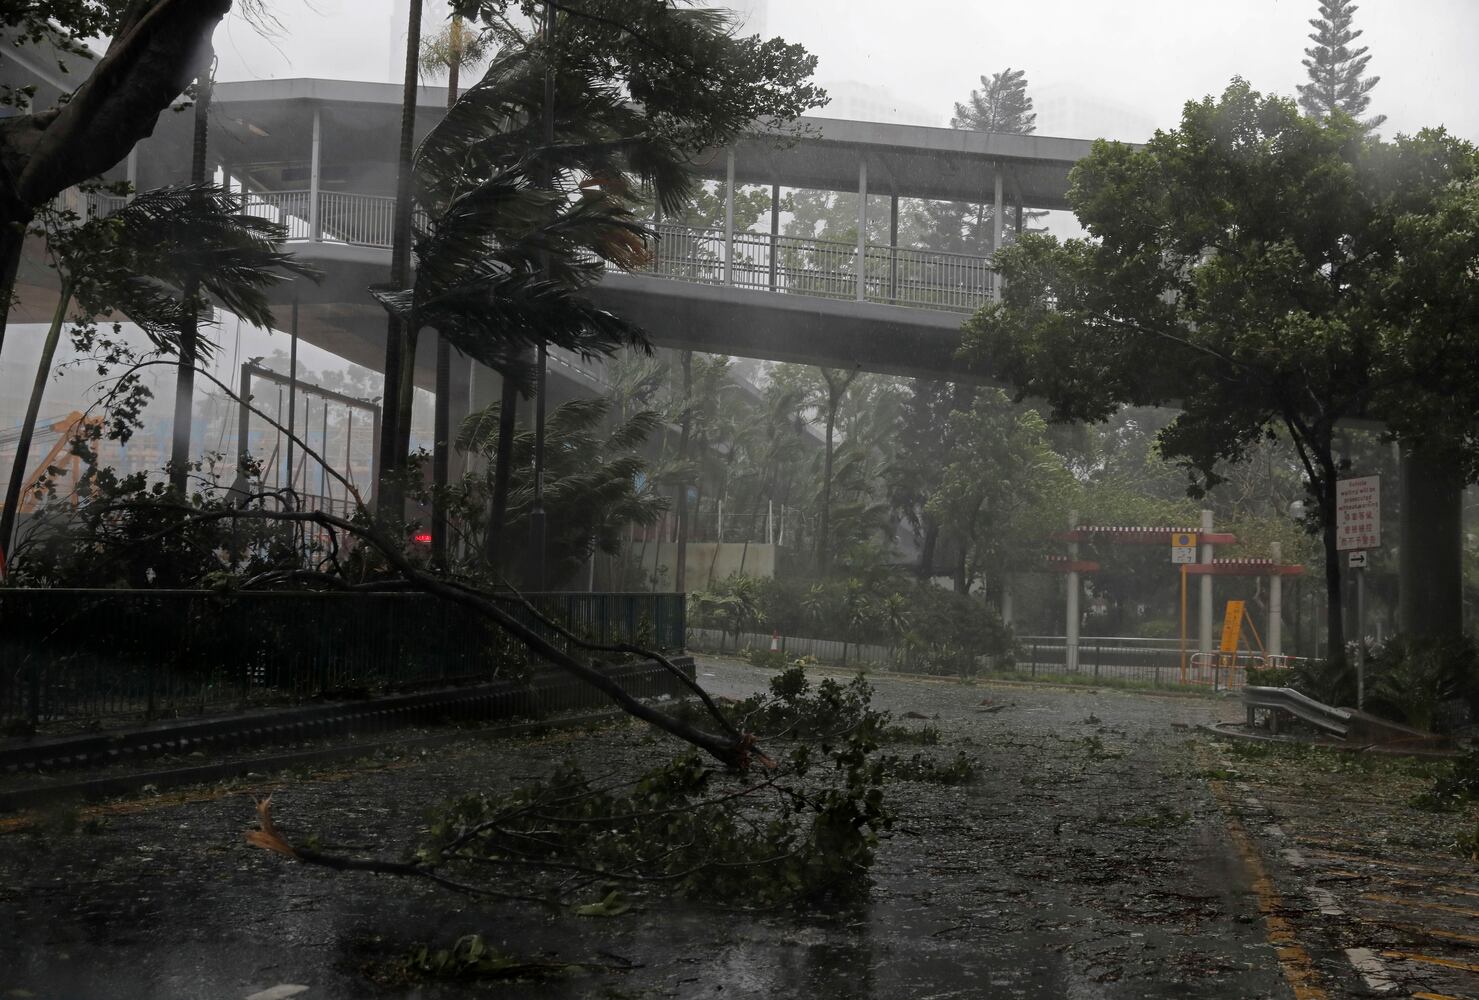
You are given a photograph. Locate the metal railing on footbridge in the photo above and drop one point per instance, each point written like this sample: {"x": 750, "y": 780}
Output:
{"x": 796, "y": 265}
{"x": 80, "y": 656}
{"x": 792, "y": 265}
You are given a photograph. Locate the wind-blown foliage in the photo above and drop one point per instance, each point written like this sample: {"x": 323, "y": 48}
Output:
{"x": 591, "y": 475}
{"x": 138, "y": 263}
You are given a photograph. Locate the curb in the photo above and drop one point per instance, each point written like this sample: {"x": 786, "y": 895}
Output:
{"x": 94, "y": 789}
{"x": 548, "y": 691}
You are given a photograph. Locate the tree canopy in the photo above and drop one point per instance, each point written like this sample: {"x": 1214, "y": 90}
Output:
{"x": 1265, "y": 272}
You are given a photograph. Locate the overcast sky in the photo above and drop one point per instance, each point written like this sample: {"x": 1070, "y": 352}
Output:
{"x": 1149, "y": 56}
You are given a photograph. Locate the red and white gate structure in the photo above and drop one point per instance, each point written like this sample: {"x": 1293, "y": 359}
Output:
{"x": 1207, "y": 539}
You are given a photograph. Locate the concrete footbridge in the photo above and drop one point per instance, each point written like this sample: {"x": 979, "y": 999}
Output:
{"x": 319, "y": 156}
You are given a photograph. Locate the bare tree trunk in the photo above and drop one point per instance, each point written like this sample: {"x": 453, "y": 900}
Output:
{"x": 28, "y": 427}
{"x": 502, "y": 464}
{"x": 179, "y": 461}
{"x": 680, "y": 573}
{"x": 927, "y": 549}
{"x": 442, "y": 420}
{"x": 824, "y": 529}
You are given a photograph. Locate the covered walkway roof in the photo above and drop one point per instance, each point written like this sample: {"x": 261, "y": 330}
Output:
{"x": 268, "y": 124}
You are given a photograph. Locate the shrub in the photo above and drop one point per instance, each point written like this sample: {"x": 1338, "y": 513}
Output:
{"x": 767, "y": 659}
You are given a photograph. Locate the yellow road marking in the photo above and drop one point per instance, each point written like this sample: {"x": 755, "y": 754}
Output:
{"x": 1447, "y": 963}
{"x": 1299, "y": 971}
{"x": 1434, "y": 996}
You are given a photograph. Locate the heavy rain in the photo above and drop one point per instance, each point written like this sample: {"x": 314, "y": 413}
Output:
{"x": 665, "y": 498}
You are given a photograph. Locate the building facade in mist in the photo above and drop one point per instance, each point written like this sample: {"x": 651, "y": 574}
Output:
{"x": 1068, "y": 110}
{"x": 854, "y": 100}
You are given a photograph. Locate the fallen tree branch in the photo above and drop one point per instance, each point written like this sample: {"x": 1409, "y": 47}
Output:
{"x": 734, "y": 750}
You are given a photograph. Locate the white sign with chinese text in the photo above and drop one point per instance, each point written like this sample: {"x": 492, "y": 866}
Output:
{"x": 1183, "y": 547}
{"x": 1358, "y": 513}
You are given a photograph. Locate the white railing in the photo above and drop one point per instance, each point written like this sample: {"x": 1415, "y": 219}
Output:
{"x": 783, "y": 264}
{"x": 89, "y": 204}
{"x": 358, "y": 219}
{"x": 825, "y": 268}
{"x": 291, "y": 209}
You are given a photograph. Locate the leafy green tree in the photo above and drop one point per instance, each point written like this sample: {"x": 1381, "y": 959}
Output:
{"x": 1261, "y": 269}
{"x": 1002, "y": 490}
{"x": 823, "y": 390}
{"x": 1335, "y": 68}
{"x": 926, "y": 443}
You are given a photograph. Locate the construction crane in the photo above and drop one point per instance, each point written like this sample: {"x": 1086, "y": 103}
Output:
{"x": 66, "y": 429}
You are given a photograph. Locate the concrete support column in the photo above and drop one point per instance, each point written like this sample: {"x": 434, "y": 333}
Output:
{"x": 1276, "y": 603}
{"x": 1204, "y": 633}
{"x": 1070, "y": 632}
{"x": 862, "y": 228}
{"x": 996, "y": 221}
{"x": 893, "y": 247}
{"x": 314, "y": 230}
{"x": 775, "y": 233}
{"x": 131, "y": 166}
{"x": 729, "y": 219}
{"x": 1007, "y": 611}
{"x": 1430, "y": 558}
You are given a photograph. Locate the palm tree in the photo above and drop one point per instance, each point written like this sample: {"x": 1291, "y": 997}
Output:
{"x": 132, "y": 262}
{"x": 591, "y": 480}
{"x": 400, "y": 343}
{"x": 500, "y": 256}
{"x": 448, "y": 51}
{"x": 190, "y": 320}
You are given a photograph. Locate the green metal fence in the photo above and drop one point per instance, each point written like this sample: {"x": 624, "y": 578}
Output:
{"x": 94, "y": 654}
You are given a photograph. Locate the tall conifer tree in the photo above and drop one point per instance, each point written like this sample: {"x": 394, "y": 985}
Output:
{"x": 1335, "y": 68}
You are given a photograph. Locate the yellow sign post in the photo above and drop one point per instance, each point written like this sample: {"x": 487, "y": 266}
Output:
{"x": 1232, "y": 627}
{"x": 1183, "y": 623}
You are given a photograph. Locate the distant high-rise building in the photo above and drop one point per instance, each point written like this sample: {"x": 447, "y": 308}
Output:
{"x": 868, "y": 102}
{"x": 1067, "y": 110}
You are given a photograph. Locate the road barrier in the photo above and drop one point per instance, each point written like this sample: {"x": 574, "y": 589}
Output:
{"x": 91, "y": 655}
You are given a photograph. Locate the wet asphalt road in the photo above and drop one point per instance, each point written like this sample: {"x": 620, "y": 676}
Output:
{"x": 1089, "y": 860}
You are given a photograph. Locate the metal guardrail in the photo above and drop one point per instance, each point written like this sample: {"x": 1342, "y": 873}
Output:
{"x": 793, "y": 265}
{"x": 1156, "y": 661}
{"x": 1335, "y": 721}
{"x": 86, "y": 655}
{"x": 823, "y": 268}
